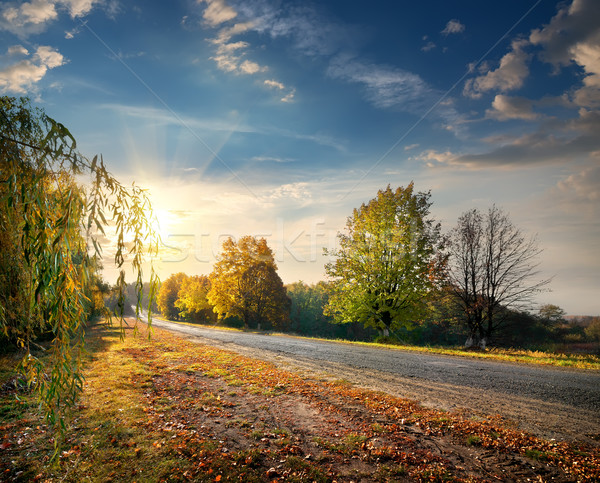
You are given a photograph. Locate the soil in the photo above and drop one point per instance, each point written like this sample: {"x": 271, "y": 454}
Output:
{"x": 547, "y": 420}
{"x": 325, "y": 437}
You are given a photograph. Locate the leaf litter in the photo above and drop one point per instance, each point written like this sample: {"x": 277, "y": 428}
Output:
{"x": 170, "y": 410}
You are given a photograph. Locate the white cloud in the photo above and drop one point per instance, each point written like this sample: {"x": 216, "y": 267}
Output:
{"x": 588, "y": 56}
{"x": 578, "y": 196}
{"x": 583, "y": 186}
{"x": 385, "y": 86}
{"x": 555, "y": 143}
{"x": 573, "y": 36}
{"x": 26, "y": 18}
{"x": 49, "y": 57}
{"x": 428, "y": 46}
{"x": 453, "y": 27}
{"x": 227, "y": 48}
{"x": 510, "y": 74}
{"x": 226, "y": 33}
{"x": 226, "y": 63}
{"x": 273, "y": 159}
{"x": 217, "y": 12}
{"x": 295, "y": 191}
{"x": 433, "y": 158}
{"x": 289, "y": 97}
{"x": 17, "y": 50}
{"x": 249, "y": 67}
{"x": 274, "y": 84}
{"x": 78, "y": 8}
{"x": 505, "y": 108}
{"x": 230, "y": 55}
{"x": 21, "y": 77}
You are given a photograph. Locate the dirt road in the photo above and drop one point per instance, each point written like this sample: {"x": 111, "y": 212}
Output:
{"x": 549, "y": 402}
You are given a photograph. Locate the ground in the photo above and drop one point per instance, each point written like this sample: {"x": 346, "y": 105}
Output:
{"x": 166, "y": 409}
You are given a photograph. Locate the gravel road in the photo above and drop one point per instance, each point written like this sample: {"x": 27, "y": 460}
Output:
{"x": 550, "y": 402}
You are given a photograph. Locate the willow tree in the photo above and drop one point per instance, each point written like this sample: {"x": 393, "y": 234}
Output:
{"x": 50, "y": 226}
{"x": 387, "y": 263}
{"x": 245, "y": 284}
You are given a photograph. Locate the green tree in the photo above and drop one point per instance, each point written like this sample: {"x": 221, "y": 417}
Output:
{"x": 307, "y": 309}
{"x": 168, "y": 295}
{"x": 551, "y": 315}
{"x": 388, "y": 261}
{"x": 245, "y": 284}
{"x": 592, "y": 331}
{"x": 192, "y": 299}
{"x": 50, "y": 226}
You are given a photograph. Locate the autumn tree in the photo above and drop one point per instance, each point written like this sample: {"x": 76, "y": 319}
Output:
{"x": 245, "y": 284}
{"x": 493, "y": 266}
{"x": 192, "y": 300}
{"x": 388, "y": 261}
{"x": 168, "y": 295}
{"x": 50, "y": 230}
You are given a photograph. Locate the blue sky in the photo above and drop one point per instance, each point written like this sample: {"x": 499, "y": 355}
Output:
{"x": 278, "y": 118}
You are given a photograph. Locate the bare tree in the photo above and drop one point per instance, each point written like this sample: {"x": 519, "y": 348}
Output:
{"x": 492, "y": 266}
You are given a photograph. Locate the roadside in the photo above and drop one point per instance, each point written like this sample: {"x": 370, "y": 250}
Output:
{"x": 432, "y": 382}
{"x": 174, "y": 410}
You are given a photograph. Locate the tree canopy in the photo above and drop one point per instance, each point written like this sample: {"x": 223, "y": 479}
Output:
{"x": 192, "y": 299}
{"x": 388, "y": 261}
{"x": 168, "y": 295}
{"x": 245, "y": 284}
{"x": 51, "y": 224}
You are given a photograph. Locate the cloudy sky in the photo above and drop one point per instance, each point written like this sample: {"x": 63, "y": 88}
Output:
{"x": 278, "y": 118}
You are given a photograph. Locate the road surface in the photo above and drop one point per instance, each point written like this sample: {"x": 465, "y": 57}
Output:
{"x": 551, "y": 402}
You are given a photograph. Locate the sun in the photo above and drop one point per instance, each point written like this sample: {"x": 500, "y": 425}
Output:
{"x": 162, "y": 223}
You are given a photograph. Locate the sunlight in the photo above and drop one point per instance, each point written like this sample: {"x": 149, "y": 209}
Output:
{"x": 162, "y": 223}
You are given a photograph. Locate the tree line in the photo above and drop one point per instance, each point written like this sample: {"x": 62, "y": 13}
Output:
{"x": 395, "y": 276}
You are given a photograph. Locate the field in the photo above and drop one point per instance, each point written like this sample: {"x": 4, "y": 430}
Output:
{"x": 169, "y": 410}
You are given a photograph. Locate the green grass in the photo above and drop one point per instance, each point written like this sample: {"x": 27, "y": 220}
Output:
{"x": 473, "y": 440}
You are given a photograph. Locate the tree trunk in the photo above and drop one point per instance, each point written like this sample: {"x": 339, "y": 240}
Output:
{"x": 476, "y": 340}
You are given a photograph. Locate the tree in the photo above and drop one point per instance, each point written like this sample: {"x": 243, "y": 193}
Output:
{"x": 50, "y": 230}
{"x": 245, "y": 284}
{"x": 592, "y": 331}
{"x": 168, "y": 295}
{"x": 307, "y": 309}
{"x": 492, "y": 266}
{"x": 192, "y": 299}
{"x": 551, "y": 315}
{"x": 388, "y": 261}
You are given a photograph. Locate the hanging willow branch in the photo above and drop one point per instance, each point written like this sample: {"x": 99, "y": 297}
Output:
{"x": 50, "y": 230}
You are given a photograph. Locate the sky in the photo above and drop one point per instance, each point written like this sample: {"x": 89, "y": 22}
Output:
{"x": 277, "y": 119}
